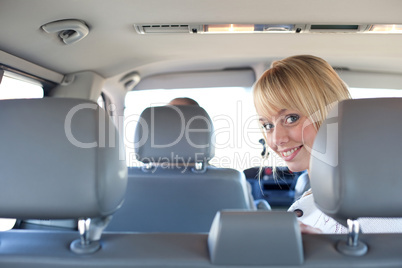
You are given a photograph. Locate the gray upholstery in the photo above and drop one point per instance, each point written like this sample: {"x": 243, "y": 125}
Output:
{"x": 48, "y": 249}
{"x": 178, "y": 200}
{"x": 255, "y": 238}
{"x": 59, "y": 160}
{"x": 174, "y": 134}
{"x": 172, "y": 196}
{"x": 243, "y": 239}
{"x": 356, "y": 160}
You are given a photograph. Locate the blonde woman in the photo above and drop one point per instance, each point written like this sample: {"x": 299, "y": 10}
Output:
{"x": 292, "y": 99}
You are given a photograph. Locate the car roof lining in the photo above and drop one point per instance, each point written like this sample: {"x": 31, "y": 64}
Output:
{"x": 111, "y": 30}
{"x": 111, "y": 27}
{"x": 222, "y": 78}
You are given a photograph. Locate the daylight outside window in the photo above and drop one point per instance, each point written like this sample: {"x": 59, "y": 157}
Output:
{"x": 234, "y": 117}
{"x": 11, "y": 88}
{"x": 231, "y": 110}
{"x": 364, "y": 93}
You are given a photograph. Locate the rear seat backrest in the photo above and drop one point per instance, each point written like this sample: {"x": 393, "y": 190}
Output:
{"x": 172, "y": 194}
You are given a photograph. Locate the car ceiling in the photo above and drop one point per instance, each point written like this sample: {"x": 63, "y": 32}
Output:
{"x": 113, "y": 48}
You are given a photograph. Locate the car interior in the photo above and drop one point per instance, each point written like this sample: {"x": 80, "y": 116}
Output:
{"x": 98, "y": 169}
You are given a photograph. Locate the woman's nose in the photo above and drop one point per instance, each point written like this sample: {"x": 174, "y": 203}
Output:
{"x": 280, "y": 135}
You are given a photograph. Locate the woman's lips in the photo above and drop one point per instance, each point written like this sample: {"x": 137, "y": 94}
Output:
{"x": 290, "y": 154}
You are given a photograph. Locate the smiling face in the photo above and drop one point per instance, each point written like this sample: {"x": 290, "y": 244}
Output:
{"x": 291, "y": 135}
{"x": 289, "y": 96}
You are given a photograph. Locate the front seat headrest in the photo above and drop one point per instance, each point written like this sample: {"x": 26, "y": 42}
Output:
{"x": 172, "y": 134}
{"x": 60, "y": 159}
{"x": 355, "y": 160}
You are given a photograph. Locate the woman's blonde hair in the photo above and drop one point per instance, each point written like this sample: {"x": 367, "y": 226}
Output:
{"x": 304, "y": 83}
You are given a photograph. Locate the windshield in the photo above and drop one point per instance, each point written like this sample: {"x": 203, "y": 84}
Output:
{"x": 231, "y": 110}
{"x": 234, "y": 117}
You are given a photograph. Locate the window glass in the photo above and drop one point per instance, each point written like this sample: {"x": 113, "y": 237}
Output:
{"x": 231, "y": 110}
{"x": 234, "y": 117}
{"x": 6, "y": 224}
{"x": 12, "y": 88}
{"x": 365, "y": 93}
{"x": 101, "y": 102}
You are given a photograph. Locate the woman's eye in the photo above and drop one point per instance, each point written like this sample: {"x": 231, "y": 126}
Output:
{"x": 291, "y": 118}
{"x": 267, "y": 126}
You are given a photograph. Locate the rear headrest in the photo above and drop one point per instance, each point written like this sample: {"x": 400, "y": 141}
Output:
{"x": 173, "y": 134}
{"x": 356, "y": 158}
{"x": 59, "y": 158}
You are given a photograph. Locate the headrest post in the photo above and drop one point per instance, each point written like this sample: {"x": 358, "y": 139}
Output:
{"x": 199, "y": 167}
{"x": 353, "y": 235}
{"x": 83, "y": 228}
{"x": 84, "y": 245}
{"x": 352, "y": 246}
{"x": 148, "y": 167}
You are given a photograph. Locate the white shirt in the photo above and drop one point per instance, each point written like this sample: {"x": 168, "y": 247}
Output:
{"x": 316, "y": 218}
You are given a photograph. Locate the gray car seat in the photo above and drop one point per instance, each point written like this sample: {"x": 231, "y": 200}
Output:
{"x": 176, "y": 190}
{"x": 76, "y": 176}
